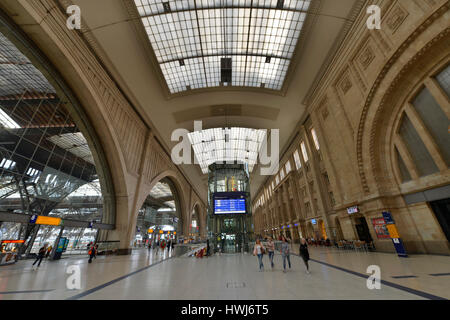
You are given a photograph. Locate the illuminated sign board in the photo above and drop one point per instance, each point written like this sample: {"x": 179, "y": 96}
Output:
{"x": 353, "y": 209}
{"x": 229, "y": 203}
{"x": 13, "y": 241}
{"x": 313, "y": 221}
{"x": 50, "y": 221}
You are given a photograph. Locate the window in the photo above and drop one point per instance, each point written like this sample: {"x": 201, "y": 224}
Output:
{"x": 304, "y": 153}
{"x": 282, "y": 174}
{"x": 288, "y": 167}
{"x": 298, "y": 163}
{"x": 316, "y": 141}
{"x": 404, "y": 173}
{"x": 443, "y": 79}
{"x": 435, "y": 120}
{"x": 419, "y": 153}
{"x": 277, "y": 179}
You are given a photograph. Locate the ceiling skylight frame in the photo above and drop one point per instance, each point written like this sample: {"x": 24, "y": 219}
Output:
{"x": 227, "y": 145}
{"x": 203, "y": 71}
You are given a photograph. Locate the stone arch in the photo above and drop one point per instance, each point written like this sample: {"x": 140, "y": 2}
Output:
{"x": 201, "y": 216}
{"x": 182, "y": 197}
{"x": 72, "y": 64}
{"x": 387, "y": 89}
{"x": 111, "y": 182}
{"x": 387, "y": 112}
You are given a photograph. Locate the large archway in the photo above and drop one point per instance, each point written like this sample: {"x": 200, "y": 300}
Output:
{"x": 51, "y": 160}
{"x": 160, "y": 216}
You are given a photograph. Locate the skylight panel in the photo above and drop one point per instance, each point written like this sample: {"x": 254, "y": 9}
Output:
{"x": 75, "y": 143}
{"x": 258, "y": 36}
{"x": 226, "y": 145}
{"x": 7, "y": 122}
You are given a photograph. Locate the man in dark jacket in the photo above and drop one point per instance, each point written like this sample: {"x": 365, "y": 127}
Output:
{"x": 41, "y": 255}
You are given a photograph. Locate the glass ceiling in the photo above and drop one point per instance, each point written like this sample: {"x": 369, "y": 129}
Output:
{"x": 221, "y": 145}
{"x": 189, "y": 38}
{"x": 160, "y": 190}
{"x": 75, "y": 143}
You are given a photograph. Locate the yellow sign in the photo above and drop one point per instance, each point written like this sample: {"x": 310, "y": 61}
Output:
{"x": 160, "y": 231}
{"x": 392, "y": 231}
{"x": 150, "y": 230}
{"x": 48, "y": 221}
{"x": 174, "y": 232}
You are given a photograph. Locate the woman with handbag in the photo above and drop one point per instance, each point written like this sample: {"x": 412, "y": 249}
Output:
{"x": 259, "y": 250}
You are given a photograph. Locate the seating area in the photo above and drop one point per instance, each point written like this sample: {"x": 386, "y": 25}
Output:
{"x": 350, "y": 245}
{"x": 355, "y": 245}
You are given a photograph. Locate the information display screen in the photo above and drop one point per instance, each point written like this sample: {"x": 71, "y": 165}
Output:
{"x": 229, "y": 203}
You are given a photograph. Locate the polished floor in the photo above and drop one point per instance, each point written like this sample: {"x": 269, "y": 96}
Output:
{"x": 151, "y": 275}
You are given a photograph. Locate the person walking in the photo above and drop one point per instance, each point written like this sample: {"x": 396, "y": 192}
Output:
{"x": 270, "y": 250}
{"x": 285, "y": 253}
{"x": 208, "y": 248}
{"x": 304, "y": 253}
{"x": 92, "y": 253}
{"x": 258, "y": 250}
{"x": 41, "y": 255}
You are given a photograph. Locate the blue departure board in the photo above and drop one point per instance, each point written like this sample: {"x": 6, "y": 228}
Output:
{"x": 229, "y": 206}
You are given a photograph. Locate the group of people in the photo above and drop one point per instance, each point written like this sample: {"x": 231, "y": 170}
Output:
{"x": 259, "y": 250}
{"x": 163, "y": 244}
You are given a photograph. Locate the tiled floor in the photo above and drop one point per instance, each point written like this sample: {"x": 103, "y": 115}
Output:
{"x": 146, "y": 275}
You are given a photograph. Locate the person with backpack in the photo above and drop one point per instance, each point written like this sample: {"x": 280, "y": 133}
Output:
{"x": 285, "y": 253}
{"x": 271, "y": 250}
{"x": 41, "y": 255}
{"x": 92, "y": 253}
{"x": 259, "y": 250}
{"x": 304, "y": 253}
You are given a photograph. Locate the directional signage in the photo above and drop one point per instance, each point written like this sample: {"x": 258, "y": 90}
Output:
{"x": 393, "y": 232}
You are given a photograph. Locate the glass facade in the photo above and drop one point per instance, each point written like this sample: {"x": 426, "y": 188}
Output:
{"x": 46, "y": 165}
{"x": 229, "y": 233}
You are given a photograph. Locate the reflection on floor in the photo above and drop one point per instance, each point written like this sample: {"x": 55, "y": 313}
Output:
{"x": 150, "y": 275}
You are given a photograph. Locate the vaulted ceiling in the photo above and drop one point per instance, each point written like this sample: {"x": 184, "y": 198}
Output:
{"x": 125, "y": 46}
{"x": 263, "y": 92}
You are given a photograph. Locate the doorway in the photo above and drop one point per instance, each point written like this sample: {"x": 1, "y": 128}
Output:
{"x": 441, "y": 209}
{"x": 362, "y": 229}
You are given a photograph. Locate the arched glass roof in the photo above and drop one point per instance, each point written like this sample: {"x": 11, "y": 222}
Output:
{"x": 210, "y": 43}
{"x": 220, "y": 145}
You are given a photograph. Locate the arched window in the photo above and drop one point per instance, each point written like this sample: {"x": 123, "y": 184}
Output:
{"x": 422, "y": 140}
